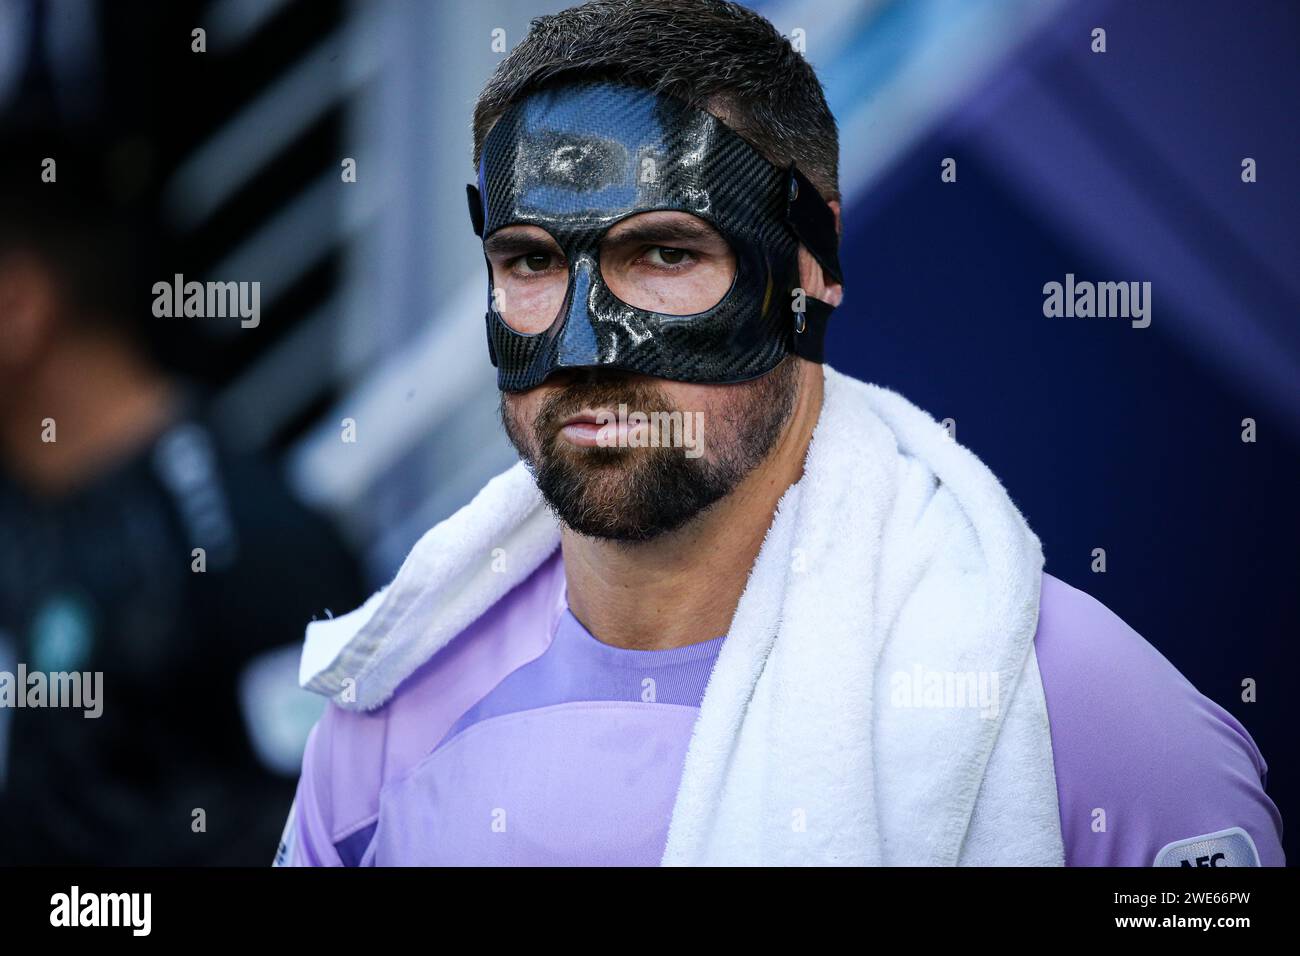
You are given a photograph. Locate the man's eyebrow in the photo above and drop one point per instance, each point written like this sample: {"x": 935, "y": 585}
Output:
{"x": 663, "y": 232}
{"x": 516, "y": 242}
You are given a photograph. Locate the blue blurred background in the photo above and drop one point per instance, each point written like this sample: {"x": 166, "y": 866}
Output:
{"x": 1117, "y": 166}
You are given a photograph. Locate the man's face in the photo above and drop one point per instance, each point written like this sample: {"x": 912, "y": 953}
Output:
{"x": 606, "y": 488}
{"x": 631, "y": 480}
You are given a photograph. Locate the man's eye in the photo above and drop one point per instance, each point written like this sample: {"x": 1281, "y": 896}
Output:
{"x": 667, "y": 255}
{"x": 535, "y": 262}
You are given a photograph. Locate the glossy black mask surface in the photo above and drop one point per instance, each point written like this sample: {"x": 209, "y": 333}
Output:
{"x": 576, "y": 159}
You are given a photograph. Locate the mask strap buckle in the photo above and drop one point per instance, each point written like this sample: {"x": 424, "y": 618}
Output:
{"x": 809, "y": 339}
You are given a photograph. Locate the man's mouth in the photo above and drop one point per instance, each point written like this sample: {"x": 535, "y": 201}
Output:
{"x": 590, "y": 427}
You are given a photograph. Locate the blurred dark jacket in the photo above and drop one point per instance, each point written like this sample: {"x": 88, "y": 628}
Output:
{"x": 202, "y": 717}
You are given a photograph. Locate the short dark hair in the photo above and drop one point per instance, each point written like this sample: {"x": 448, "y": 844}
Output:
{"x": 713, "y": 54}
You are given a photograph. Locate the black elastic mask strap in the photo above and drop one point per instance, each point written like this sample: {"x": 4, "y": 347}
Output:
{"x": 475, "y": 208}
{"x": 813, "y": 221}
{"x": 476, "y": 219}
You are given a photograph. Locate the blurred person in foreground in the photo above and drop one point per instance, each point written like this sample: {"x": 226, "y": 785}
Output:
{"x": 149, "y": 712}
{"x": 732, "y": 607}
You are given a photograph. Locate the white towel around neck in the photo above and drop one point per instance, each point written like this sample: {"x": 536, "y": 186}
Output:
{"x": 895, "y": 574}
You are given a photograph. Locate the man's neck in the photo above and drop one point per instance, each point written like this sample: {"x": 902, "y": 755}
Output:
{"x": 683, "y": 587}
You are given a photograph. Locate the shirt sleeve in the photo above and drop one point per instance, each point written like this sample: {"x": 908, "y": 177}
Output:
{"x": 1144, "y": 762}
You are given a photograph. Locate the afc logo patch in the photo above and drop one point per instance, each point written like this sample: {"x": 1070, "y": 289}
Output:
{"x": 1230, "y": 847}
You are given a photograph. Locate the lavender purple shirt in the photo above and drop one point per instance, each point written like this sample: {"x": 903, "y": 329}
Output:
{"x": 527, "y": 741}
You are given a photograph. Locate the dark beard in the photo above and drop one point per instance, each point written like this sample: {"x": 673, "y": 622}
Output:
{"x": 636, "y": 494}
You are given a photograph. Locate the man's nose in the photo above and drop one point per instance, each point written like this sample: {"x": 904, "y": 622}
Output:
{"x": 578, "y": 347}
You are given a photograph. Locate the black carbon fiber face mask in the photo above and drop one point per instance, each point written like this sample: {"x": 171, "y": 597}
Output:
{"x": 575, "y": 160}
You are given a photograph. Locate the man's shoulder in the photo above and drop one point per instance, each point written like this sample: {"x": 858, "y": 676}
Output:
{"x": 1142, "y": 758}
{"x": 1089, "y": 647}
{"x": 357, "y": 752}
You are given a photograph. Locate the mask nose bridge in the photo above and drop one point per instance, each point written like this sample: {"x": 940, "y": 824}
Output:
{"x": 577, "y": 344}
